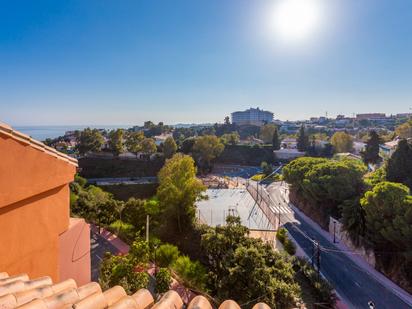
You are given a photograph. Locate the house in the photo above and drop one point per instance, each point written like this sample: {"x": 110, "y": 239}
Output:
{"x": 38, "y": 236}
{"x": 387, "y": 149}
{"x": 289, "y": 143}
{"x": 288, "y": 154}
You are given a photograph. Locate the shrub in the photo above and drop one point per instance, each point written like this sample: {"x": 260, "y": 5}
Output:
{"x": 258, "y": 177}
{"x": 191, "y": 272}
{"x": 323, "y": 289}
{"x": 120, "y": 270}
{"x": 166, "y": 255}
{"x": 139, "y": 251}
{"x": 163, "y": 279}
{"x": 288, "y": 245}
{"x": 124, "y": 230}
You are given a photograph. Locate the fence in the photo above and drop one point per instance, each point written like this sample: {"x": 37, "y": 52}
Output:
{"x": 264, "y": 202}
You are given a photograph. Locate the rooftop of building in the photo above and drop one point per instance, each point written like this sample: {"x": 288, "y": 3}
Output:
{"x": 41, "y": 293}
{"x": 29, "y": 141}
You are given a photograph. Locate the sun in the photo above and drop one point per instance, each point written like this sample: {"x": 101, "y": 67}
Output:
{"x": 296, "y": 20}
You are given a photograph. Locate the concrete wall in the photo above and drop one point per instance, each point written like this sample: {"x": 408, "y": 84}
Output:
{"x": 342, "y": 236}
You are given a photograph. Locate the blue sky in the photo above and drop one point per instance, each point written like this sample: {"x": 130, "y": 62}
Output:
{"x": 123, "y": 62}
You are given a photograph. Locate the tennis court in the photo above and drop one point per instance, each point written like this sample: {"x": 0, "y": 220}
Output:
{"x": 238, "y": 202}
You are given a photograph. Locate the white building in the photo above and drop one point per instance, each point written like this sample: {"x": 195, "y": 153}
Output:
{"x": 252, "y": 116}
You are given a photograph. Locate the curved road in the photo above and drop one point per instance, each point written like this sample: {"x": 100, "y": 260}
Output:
{"x": 353, "y": 284}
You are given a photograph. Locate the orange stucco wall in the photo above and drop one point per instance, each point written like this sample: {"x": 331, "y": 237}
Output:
{"x": 34, "y": 208}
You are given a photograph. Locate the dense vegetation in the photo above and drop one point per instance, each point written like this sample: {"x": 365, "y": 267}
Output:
{"x": 375, "y": 212}
{"x": 222, "y": 262}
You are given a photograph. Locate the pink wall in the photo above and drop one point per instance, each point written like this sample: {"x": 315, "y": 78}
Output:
{"x": 74, "y": 252}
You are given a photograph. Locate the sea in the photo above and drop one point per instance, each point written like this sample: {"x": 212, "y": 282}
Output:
{"x": 43, "y": 132}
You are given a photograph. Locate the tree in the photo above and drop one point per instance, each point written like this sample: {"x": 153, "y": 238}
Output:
{"x": 266, "y": 133}
{"x": 169, "y": 147}
{"x": 353, "y": 220}
{"x": 266, "y": 168}
{"x": 133, "y": 140}
{"x": 120, "y": 270}
{"x": 148, "y": 124}
{"x": 244, "y": 269}
{"x": 166, "y": 255}
{"x": 90, "y": 140}
{"x": 206, "y": 149}
{"x": 116, "y": 141}
{"x": 191, "y": 272}
{"x": 178, "y": 191}
{"x": 276, "y": 140}
{"x": 342, "y": 142}
{"x": 148, "y": 146}
{"x": 163, "y": 280}
{"x": 371, "y": 152}
{"x": 388, "y": 213}
{"x": 404, "y": 130}
{"x": 227, "y": 120}
{"x": 303, "y": 139}
{"x": 187, "y": 145}
{"x": 399, "y": 167}
{"x": 230, "y": 138}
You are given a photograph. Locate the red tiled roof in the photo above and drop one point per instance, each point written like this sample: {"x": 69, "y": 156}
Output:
{"x": 25, "y": 139}
{"x": 21, "y": 292}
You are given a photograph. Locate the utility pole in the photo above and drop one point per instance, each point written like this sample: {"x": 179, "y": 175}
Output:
{"x": 147, "y": 228}
{"x": 318, "y": 257}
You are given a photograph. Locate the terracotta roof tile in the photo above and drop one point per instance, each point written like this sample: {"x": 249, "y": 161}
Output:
{"x": 39, "y": 282}
{"x": 229, "y": 304}
{"x": 27, "y": 140}
{"x": 126, "y": 302}
{"x": 61, "y": 299}
{"x": 23, "y": 297}
{"x": 170, "y": 300}
{"x": 89, "y": 289}
{"x": 22, "y": 277}
{"x": 114, "y": 294}
{"x": 143, "y": 298}
{"x": 94, "y": 301}
{"x": 199, "y": 302}
{"x": 12, "y": 287}
{"x": 8, "y": 301}
{"x": 260, "y": 306}
{"x": 22, "y": 293}
{"x": 64, "y": 285}
{"x": 3, "y": 275}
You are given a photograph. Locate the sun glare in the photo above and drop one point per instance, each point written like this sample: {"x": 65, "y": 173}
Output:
{"x": 296, "y": 20}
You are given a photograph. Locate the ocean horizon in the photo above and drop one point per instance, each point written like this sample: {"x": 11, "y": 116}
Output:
{"x": 43, "y": 132}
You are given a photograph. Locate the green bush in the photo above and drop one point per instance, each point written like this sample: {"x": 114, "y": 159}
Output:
{"x": 120, "y": 270}
{"x": 139, "y": 251}
{"x": 191, "y": 272}
{"x": 163, "y": 280}
{"x": 124, "y": 230}
{"x": 258, "y": 177}
{"x": 281, "y": 234}
{"x": 322, "y": 288}
{"x": 288, "y": 245}
{"x": 166, "y": 255}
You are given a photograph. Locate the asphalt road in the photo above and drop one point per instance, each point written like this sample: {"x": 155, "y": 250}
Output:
{"x": 353, "y": 284}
